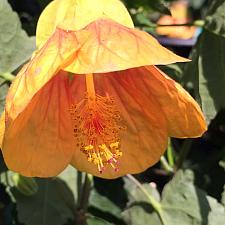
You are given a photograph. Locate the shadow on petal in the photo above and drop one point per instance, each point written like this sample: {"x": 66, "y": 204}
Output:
{"x": 184, "y": 116}
{"x": 39, "y": 142}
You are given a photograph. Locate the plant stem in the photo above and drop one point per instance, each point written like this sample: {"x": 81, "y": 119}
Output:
{"x": 183, "y": 153}
{"x": 7, "y": 76}
{"x": 166, "y": 165}
{"x": 155, "y": 204}
{"x": 83, "y": 190}
{"x": 197, "y": 23}
{"x": 170, "y": 154}
{"x": 7, "y": 179}
{"x": 79, "y": 186}
{"x": 86, "y": 192}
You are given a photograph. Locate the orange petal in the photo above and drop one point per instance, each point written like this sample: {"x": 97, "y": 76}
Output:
{"x": 76, "y": 14}
{"x": 42, "y": 67}
{"x": 183, "y": 32}
{"x": 103, "y": 46}
{"x": 2, "y": 128}
{"x": 184, "y": 116}
{"x": 165, "y": 30}
{"x": 145, "y": 139}
{"x": 39, "y": 142}
{"x": 113, "y": 47}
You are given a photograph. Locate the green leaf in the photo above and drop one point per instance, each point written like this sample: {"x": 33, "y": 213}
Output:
{"x": 135, "y": 194}
{"x": 207, "y": 73}
{"x": 25, "y": 185}
{"x": 217, "y": 212}
{"x": 182, "y": 202}
{"x": 139, "y": 210}
{"x": 222, "y": 163}
{"x": 102, "y": 207}
{"x": 140, "y": 214}
{"x": 223, "y": 196}
{"x": 155, "y": 5}
{"x": 69, "y": 176}
{"x": 142, "y": 19}
{"x": 97, "y": 221}
{"x": 160, "y": 6}
{"x": 102, "y": 203}
{"x": 52, "y": 204}
{"x": 196, "y": 4}
{"x": 215, "y": 20}
{"x": 173, "y": 70}
{"x": 107, "y": 200}
{"x": 3, "y": 91}
{"x": 15, "y": 46}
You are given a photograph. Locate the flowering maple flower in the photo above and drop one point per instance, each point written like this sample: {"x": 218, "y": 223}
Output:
{"x": 91, "y": 96}
{"x": 179, "y": 11}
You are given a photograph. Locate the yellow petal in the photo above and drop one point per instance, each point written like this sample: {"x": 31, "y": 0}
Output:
{"x": 42, "y": 67}
{"x": 183, "y": 114}
{"x": 2, "y": 128}
{"x": 112, "y": 47}
{"x": 76, "y": 14}
{"x": 145, "y": 139}
{"x": 39, "y": 142}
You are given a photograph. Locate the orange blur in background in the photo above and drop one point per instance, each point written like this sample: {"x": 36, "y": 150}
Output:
{"x": 179, "y": 11}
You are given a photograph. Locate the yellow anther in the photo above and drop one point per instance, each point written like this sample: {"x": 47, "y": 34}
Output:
{"x": 102, "y": 147}
{"x": 90, "y": 159}
{"x": 114, "y": 145}
{"x": 103, "y": 154}
{"x": 117, "y": 151}
{"x": 89, "y": 147}
{"x": 96, "y": 161}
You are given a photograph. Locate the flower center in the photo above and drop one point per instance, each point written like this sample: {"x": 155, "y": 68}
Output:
{"x": 97, "y": 131}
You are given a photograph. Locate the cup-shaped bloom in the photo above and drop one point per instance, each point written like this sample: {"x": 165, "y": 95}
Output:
{"x": 93, "y": 98}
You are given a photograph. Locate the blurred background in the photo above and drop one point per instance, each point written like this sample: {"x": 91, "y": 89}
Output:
{"x": 186, "y": 187}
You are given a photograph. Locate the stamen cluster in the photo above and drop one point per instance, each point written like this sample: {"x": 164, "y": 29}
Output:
{"x": 97, "y": 131}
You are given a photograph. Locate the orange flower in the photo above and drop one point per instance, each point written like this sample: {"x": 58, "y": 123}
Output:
{"x": 93, "y": 98}
{"x": 179, "y": 16}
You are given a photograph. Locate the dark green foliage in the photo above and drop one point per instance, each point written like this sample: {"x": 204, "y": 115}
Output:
{"x": 3, "y": 90}
{"x": 155, "y": 5}
{"x": 180, "y": 201}
{"x": 215, "y": 20}
{"x": 15, "y": 46}
{"x": 206, "y": 72}
{"x": 52, "y": 204}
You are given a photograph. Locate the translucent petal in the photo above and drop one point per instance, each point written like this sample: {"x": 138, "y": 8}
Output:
{"x": 145, "y": 139}
{"x": 39, "y": 142}
{"x": 112, "y": 47}
{"x": 103, "y": 46}
{"x": 183, "y": 114}
{"x": 76, "y": 14}
{"x": 41, "y": 68}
